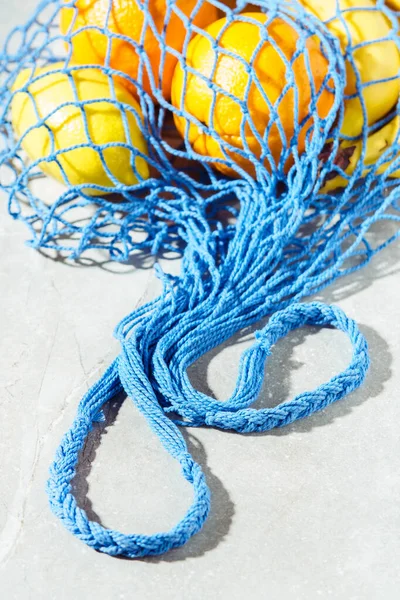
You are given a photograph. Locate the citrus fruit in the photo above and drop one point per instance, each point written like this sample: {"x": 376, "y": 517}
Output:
{"x": 394, "y": 4}
{"x": 253, "y": 73}
{"x": 133, "y": 19}
{"x": 63, "y": 128}
{"x": 364, "y": 35}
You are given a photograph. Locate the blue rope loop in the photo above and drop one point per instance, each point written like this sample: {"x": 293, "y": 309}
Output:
{"x": 129, "y": 373}
{"x": 63, "y": 470}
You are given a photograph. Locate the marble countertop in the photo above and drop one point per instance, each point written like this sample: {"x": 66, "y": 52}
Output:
{"x": 307, "y": 512}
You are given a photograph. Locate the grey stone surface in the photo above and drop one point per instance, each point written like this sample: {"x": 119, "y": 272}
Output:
{"x": 307, "y": 512}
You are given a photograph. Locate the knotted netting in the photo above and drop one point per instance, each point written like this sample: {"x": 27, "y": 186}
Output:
{"x": 258, "y": 142}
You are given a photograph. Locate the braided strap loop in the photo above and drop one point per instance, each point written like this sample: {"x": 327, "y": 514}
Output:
{"x": 65, "y": 507}
{"x": 129, "y": 373}
{"x": 247, "y": 420}
{"x": 170, "y": 378}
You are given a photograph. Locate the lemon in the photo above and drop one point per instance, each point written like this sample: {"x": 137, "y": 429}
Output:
{"x": 365, "y": 36}
{"x": 72, "y": 152}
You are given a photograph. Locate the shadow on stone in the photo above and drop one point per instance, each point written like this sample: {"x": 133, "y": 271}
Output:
{"x": 380, "y": 372}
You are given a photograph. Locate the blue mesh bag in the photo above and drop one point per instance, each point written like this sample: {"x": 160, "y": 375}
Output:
{"x": 259, "y": 143}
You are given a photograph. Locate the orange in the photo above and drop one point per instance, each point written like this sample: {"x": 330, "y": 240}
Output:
{"x": 257, "y": 68}
{"x": 128, "y": 18}
{"x": 394, "y": 4}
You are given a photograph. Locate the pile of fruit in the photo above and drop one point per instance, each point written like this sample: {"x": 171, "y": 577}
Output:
{"x": 238, "y": 88}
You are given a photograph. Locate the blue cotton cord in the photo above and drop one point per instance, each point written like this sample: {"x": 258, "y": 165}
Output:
{"x": 63, "y": 470}
{"x": 128, "y": 373}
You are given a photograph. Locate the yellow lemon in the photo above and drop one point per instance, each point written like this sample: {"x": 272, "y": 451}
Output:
{"x": 72, "y": 139}
{"x": 366, "y": 34}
